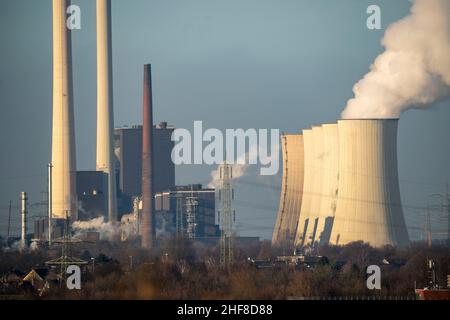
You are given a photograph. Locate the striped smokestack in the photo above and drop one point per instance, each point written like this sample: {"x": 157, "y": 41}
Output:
{"x": 148, "y": 218}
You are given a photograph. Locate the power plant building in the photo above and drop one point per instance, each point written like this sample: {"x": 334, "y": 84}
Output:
{"x": 350, "y": 188}
{"x": 205, "y": 213}
{"x": 40, "y": 229}
{"x": 128, "y": 150}
{"x": 92, "y": 193}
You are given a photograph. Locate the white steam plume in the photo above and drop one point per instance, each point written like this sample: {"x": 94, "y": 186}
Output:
{"x": 107, "y": 230}
{"x": 239, "y": 170}
{"x": 413, "y": 71}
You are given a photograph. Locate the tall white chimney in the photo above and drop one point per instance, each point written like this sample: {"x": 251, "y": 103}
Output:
{"x": 64, "y": 200}
{"x": 105, "y": 110}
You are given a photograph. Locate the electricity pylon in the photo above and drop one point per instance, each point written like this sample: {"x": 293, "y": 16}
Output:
{"x": 191, "y": 215}
{"x": 66, "y": 259}
{"x": 226, "y": 217}
{"x": 179, "y": 217}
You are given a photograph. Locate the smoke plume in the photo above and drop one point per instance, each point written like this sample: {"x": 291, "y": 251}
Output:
{"x": 107, "y": 230}
{"x": 413, "y": 71}
{"x": 238, "y": 171}
{"x": 237, "y": 168}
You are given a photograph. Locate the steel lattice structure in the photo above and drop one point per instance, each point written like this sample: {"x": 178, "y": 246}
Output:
{"x": 179, "y": 217}
{"x": 226, "y": 217}
{"x": 66, "y": 259}
{"x": 191, "y": 215}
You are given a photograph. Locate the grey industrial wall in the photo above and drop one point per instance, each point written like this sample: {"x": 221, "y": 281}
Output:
{"x": 205, "y": 215}
{"x": 128, "y": 147}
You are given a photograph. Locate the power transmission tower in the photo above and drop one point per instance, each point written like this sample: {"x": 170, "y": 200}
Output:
{"x": 66, "y": 259}
{"x": 444, "y": 208}
{"x": 179, "y": 216}
{"x": 447, "y": 202}
{"x": 9, "y": 219}
{"x": 226, "y": 217}
{"x": 432, "y": 274}
{"x": 428, "y": 227}
{"x": 191, "y": 213}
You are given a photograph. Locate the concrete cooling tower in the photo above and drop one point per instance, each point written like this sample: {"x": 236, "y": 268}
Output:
{"x": 291, "y": 191}
{"x": 64, "y": 199}
{"x": 330, "y": 179}
{"x": 350, "y": 186}
{"x": 307, "y": 197}
{"x": 320, "y": 186}
{"x": 312, "y": 187}
{"x": 368, "y": 205}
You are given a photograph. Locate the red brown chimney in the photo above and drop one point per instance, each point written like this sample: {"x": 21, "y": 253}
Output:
{"x": 148, "y": 216}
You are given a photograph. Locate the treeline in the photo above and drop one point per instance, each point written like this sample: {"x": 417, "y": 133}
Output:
{"x": 182, "y": 270}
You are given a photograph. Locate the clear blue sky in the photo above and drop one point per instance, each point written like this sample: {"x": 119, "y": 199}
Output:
{"x": 285, "y": 64}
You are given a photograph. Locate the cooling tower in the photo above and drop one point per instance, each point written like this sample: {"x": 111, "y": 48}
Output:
{"x": 308, "y": 179}
{"x": 368, "y": 204}
{"x": 330, "y": 177}
{"x": 64, "y": 200}
{"x": 291, "y": 191}
{"x": 316, "y": 196}
{"x": 105, "y": 111}
{"x": 309, "y": 215}
{"x": 148, "y": 214}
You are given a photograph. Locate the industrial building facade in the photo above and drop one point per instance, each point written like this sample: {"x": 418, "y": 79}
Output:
{"x": 40, "y": 229}
{"x": 128, "y": 151}
{"x": 205, "y": 214}
{"x": 348, "y": 189}
{"x": 92, "y": 193}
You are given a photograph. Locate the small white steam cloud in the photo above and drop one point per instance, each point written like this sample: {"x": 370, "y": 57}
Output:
{"x": 34, "y": 246}
{"x": 238, "y": 169}
{"x": 129, "y": 226}
{"x": 413, "y": 71}
{"x": 107, "y": 230}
